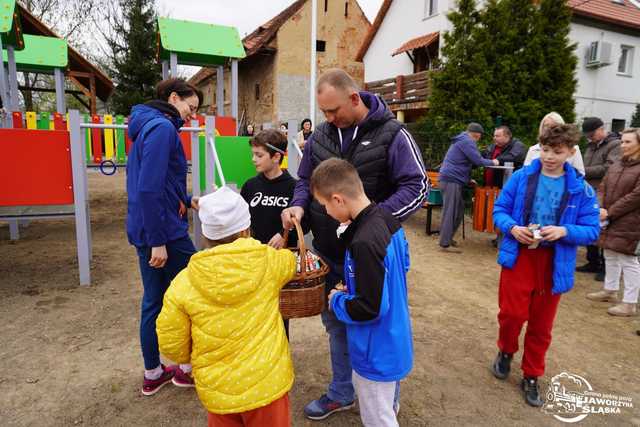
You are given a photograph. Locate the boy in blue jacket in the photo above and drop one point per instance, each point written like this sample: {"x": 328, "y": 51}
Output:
{"x": 373, "y": 305}
{"x": 545, "y": 211}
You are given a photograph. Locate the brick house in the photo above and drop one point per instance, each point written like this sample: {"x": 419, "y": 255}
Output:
{"x": 273, "y": 79}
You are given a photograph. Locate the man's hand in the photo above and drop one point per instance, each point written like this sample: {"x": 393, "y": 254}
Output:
{"x": 194, "y": 203}
{"x": 496, "y": 162}
{"x": 288, "y": 214}
{"x": 331, "y": 294}
{"x": 603, "y": 214}
{"x": 522, "y": 234}
{"x": 277, "y": 241}
{"x": 551, "y": 233}
{"x": 158, "y": 256}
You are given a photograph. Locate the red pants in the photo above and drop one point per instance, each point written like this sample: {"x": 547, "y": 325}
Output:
{"x": 525, "y": 296}
{"x": 275, "y": 414}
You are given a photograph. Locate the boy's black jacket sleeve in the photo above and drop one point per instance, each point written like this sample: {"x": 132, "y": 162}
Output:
{"x": 368, "y": 260}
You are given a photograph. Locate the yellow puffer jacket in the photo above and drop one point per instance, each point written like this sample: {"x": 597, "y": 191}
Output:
{"x": 221, "y": 314}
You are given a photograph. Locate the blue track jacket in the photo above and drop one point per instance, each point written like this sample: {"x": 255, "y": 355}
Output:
{"x": 375, "y": 309}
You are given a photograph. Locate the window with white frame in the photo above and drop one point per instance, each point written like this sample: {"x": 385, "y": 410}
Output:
{"x": 625, "y": 63}
{"x": 430, "y": 8}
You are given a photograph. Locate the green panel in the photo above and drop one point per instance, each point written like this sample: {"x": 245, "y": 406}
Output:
{"x": 87, "y": 139}
{"x": 10, "y": 28}
{"x": 202, "y": 154}
{"x": 198, "y": 43}
{"x": 41, "y": 54}
{"x": 121, "y": 154}
{"x": 43, "y": 121}
{"x": 235, "y": 158}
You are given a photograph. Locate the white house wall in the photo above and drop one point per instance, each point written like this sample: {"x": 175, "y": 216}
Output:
{"x": 603, "y": 92}
{"x": 404, "y": 21}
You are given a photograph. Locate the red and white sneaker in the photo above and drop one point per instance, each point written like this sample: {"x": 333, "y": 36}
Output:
{"x": 183, "y": 379}
{"x": 151, "y": 387}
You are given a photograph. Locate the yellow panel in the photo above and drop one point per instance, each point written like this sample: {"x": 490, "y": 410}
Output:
{"x": 31, "y": 120}
{"x": 109, "y": 144}
{"x": 51, "y": 125}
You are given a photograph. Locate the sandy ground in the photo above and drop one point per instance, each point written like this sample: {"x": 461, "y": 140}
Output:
{"x": 71, "y": 354}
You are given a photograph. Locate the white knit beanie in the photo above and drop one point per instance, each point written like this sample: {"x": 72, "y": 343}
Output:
{"x": 223, "y": 213}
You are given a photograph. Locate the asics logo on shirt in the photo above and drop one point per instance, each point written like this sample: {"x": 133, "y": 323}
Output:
{"x": 260, "y": 199}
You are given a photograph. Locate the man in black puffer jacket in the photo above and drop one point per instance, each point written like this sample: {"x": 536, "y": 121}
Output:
{"x": 603, "y": 150}
{"x": 360, "y": 129}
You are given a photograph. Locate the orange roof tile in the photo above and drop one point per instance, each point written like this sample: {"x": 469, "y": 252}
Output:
{"x": 418, "y": 42}
{"x": 626, "y": 14}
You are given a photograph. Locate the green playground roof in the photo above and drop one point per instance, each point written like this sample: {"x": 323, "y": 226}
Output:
{"x": 41, "y": 54}
{"x": 198, "y": 43}
{"x": 10, "y": 29}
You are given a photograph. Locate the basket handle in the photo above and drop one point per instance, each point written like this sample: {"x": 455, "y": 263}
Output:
{"x": 301, "y": 246}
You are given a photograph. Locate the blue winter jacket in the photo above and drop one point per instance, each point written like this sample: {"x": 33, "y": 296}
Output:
{"x": 375, "y": 309}
{"x": 578, "y": 213}
{"x": 156, "y": 177}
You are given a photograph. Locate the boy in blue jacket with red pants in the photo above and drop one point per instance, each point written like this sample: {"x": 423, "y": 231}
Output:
{"x": 545, "y": 211}
{"x": 373, "y": 305}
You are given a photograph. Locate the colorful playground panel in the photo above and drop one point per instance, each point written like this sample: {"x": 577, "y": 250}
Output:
{"x": 235, "y": 157}
{"x": 41, "y": 54}
{"x": 197, "y": 43}
{"x": 10, "y": 28}
{"x": 45, "y": 179}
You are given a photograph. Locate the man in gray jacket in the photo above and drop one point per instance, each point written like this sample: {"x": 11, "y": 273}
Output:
{"x": 603, "y": 150}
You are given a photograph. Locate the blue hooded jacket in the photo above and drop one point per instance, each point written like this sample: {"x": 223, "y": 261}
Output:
{"x": 461, "y": 157}
{"x": 578, "y": 213}
{"x": 375, "y": 309}
{"x": 156, "y": 177}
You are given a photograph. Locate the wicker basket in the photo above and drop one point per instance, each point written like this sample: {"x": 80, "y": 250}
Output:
{"x": 304, "y": 295}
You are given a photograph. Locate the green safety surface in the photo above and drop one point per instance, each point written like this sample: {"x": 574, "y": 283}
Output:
{"x": 10, "y": 28}
{"x": 41, "y": 54}
{"x": 198, "y": 43}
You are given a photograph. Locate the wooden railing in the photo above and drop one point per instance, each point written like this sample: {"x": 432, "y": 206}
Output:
{"x": 402, "y": 89}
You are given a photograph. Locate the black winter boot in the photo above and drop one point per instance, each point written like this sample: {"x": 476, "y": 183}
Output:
{"x": 502, "y": 365}
{"x": 531, "y": 392}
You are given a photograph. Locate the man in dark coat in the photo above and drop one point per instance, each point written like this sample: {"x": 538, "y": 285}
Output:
{"x": 603, "y": 150}
{"x": 506, "y": 149}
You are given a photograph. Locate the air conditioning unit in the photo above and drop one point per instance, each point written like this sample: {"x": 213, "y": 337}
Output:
{"x": 598, "y": 54}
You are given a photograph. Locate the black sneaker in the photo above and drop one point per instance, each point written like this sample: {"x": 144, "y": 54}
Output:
{"x": 502, "y": 365}
{"x": 588, "y": 268}
{"x": 531, "y": 393}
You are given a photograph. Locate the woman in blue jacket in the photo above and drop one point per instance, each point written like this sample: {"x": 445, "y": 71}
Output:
{"x": 157, "y": 222}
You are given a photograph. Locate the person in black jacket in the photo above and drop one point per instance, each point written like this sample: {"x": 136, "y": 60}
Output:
{"x": 506, "y": 149}
{"x": 269, "y": 192}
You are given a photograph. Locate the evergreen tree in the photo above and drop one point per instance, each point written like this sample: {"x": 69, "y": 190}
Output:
{"x": 635, "y": 119}
{"x": 511, "y": 60}
{"x": 132, "y": 43}
{"x": 459, "y": 88}
{"x": 556, "y": 81}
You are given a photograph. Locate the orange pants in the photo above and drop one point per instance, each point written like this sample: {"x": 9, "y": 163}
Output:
{"x": 275, "y": 414}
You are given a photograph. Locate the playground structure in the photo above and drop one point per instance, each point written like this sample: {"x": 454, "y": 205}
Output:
{"x": 47, "y": 155}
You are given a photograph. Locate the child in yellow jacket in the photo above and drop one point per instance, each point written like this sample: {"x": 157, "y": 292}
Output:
{"x": 221, "y": 314}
